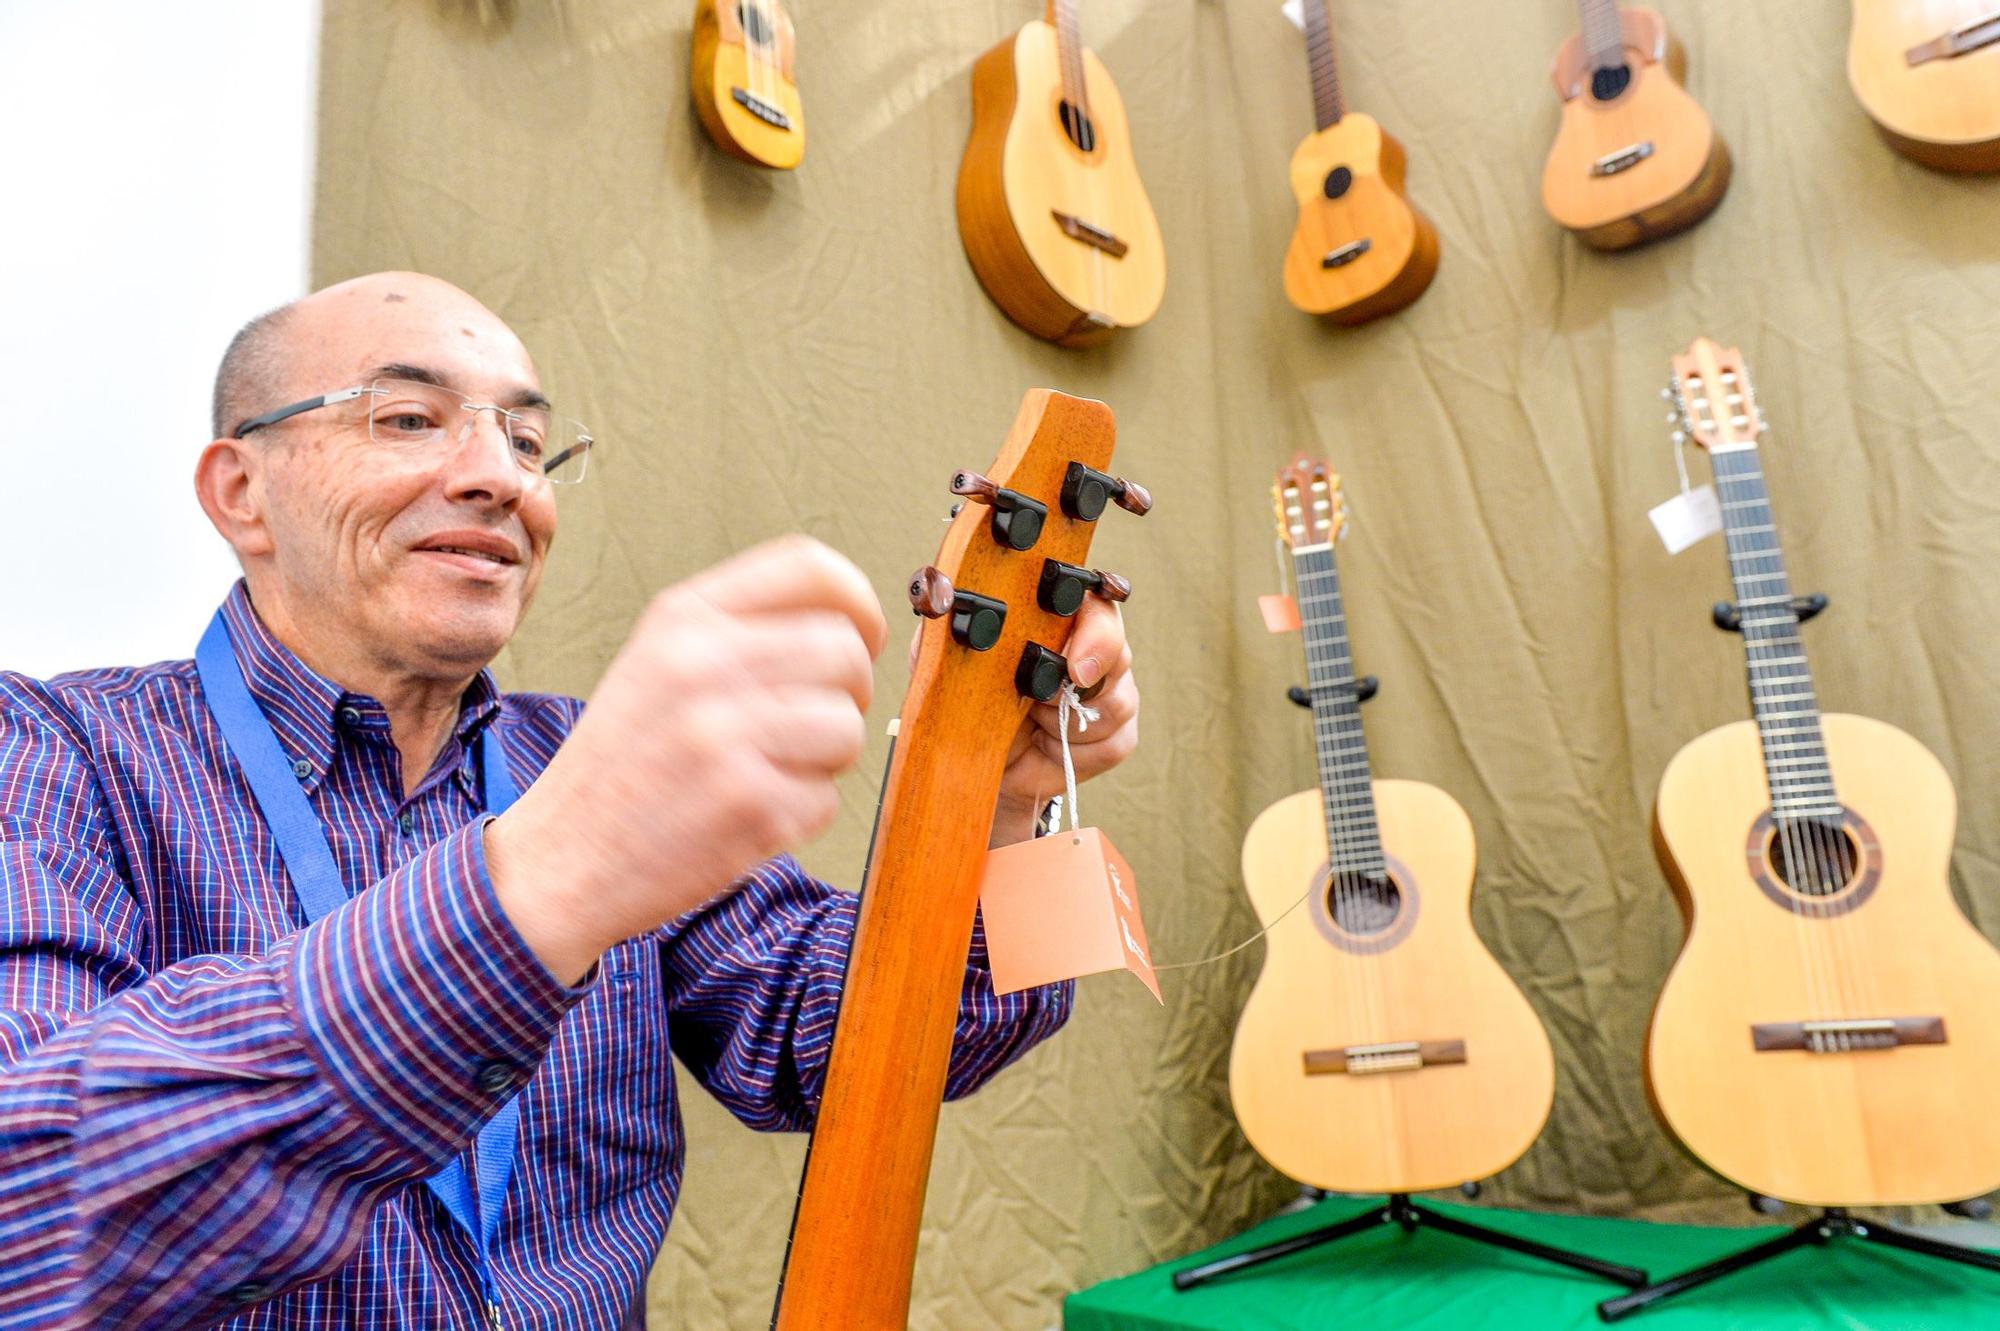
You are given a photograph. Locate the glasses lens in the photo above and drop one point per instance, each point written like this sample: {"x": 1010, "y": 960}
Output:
{"x": 557, "y": 446}
{"x": 409, "y": 414}
{"x": 405, "y": 414}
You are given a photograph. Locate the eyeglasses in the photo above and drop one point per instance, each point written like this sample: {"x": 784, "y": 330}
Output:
{"x": 410, "y": 416}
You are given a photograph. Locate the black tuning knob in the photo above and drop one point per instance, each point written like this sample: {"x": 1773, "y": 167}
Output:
{"x": 1063, "y": 586}
{"x": 1086, "y": 490}
{"x": 976, "y": 620}
{"x": 1041, "y": 673}
{"x": 1017, "y": 519}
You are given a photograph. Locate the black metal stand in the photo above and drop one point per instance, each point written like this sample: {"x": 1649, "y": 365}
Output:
{"x": 1364, "y": 688}
{"x": 1729, "y": 618}
{"x": 1832, "y": 1223}
{"x": 1398, "y": 1209}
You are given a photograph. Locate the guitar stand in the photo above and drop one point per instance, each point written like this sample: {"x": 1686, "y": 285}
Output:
{"x": 1729, "y": 618}
{"x": 1398, "y": 1209}
{"x": 1364, "y": 688}
{"x": 1832, "y": 1223}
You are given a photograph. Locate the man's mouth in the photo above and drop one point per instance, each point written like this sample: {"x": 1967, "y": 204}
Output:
{"x": 462, "y": 550}
{"x": 484, "y": 547}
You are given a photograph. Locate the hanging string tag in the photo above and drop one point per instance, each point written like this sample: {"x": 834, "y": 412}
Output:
{"x": 1066, "y": 904}
{"x": 1693, "y": 514}
{"x": 1295, "y": 10}
{"x": 1280, "y": 610}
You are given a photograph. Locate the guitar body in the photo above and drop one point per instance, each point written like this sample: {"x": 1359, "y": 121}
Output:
{"x": 1909, "y": 1124}
{"x": 1684, "y": 170}
{"x": 1021, "y": 172}
{"x": 1390, "y": 1131}
{"x": 1339, "y": 212}
{"x": 1943, "y": 112}
{"x": 732, "y": 73}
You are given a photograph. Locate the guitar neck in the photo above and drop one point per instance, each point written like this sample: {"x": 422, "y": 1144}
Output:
{"x": 1069, "y": 53}
{"x": 1603, "y": 33}
{"x": 1781, "y": 688}
{"x": 1327, "y": 107}
{"x": 1347, "y": 793}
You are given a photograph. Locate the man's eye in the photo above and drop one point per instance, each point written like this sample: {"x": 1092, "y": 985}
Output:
{"x": 527, "y": 445}
{"x": 403, "y": 422}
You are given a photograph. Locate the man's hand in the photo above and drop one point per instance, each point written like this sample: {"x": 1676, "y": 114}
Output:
{"x": 711, "y": 744}
{"x": 1100, "y": 660}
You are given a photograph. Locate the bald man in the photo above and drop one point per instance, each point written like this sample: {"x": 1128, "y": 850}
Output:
{"x": 336, "y": 987}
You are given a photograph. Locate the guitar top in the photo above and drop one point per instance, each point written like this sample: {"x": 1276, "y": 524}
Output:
{"x": 744, "y": 87}
{"x": 1928, "y": 73}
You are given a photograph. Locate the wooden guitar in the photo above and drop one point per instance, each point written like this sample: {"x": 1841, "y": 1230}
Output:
{"x": 1382, "y": 1049}
{"x": 1000, "y": 595}
{"x": 1830, "y": 1034}
{"x": 1050, "y": 208}
{"x": 1636, "y": 157}
{"x": 1928, "y": 73}
{"x": 1360, "y": 250}
{"x": 744, "y": 88}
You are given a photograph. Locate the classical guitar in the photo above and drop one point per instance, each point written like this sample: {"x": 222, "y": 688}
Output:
{"x": 1382, "y": 1049}
{"x": 744, "y": 89}
{"x": 1050, "y": 208}
{"x": 1830, "y": 1033}
{"x": 1009, "y": 576}
{"x": 1360, "y": 250}
{"x": 1928, "y": 73}
{"x": 1636, "y": 157}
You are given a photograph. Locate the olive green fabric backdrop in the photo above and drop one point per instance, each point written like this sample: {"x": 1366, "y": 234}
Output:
{"x": 764, "y": 353}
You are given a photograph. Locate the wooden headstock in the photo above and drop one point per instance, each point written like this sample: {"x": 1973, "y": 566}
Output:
{"x": 1713, "y": 401}
{"x": 1310, "y": 507}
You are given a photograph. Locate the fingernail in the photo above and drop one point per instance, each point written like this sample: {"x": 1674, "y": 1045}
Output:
{"x": 1085, "y": 672}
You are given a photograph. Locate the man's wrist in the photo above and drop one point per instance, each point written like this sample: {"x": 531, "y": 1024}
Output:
{"x": 535, "y": 903}
{"x": 1013, "y": 821}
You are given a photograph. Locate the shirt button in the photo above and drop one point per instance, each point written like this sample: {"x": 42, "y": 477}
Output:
{"x": 250, "y": 1291}
{"x": 302, "y": 769}
{"x": 350, "y": 716}
{"x": 496, "y": 1075}
{"x": 406, "y": 823}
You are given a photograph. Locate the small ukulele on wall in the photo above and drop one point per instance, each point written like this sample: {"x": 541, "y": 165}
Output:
{"x": 1054, "y": 219}
{"x": 1928, "y": 74}
{"x": 1636, "y": 157}
{"x": 1360, "y": 250}
{"x": 744, "y": 89}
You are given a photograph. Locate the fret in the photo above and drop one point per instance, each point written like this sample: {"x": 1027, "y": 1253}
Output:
{"x": 1327, "y": 107}
{"x": 1346, "y": 782}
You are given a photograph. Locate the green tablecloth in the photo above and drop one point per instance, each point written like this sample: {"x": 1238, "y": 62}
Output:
{"x": 1385, "y": 1280}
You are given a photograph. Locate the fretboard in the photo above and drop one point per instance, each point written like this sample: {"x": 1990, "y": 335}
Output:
{"x": 1354, "y": 842}
{"x": 1603, "y": 33}
{"x": 1327, "y": 108}
{"x": 1781, "y": 689}
{"x": 1069, "y": 54}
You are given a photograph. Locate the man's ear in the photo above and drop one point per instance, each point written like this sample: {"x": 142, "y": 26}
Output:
{"x": 229, "y": 482}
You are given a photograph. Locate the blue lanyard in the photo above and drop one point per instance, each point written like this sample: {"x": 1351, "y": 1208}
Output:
{"x": 309, "y": 862}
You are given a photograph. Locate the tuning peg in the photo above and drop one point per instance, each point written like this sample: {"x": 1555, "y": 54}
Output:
{"x": 1063, "y": 585}
{"x": 976, "y": 620}
{"x": 1041, "y": 673}
{"x": 1017, "y": 519}
{"x": 1086, "y": 490}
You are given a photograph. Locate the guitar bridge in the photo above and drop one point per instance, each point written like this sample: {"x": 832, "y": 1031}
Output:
{"x": 1623, "y": 160}
{"x": 1346, "y": 254}
{"x": 762, "y": 109}
{"x": 1850, "y": 1035}
{"x": 1395, "y": 1056}
{"x": 1078, "y": 229}
{"x": 1980, "y": 32}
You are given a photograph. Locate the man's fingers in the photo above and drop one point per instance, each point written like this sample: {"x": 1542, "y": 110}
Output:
{"x": 1096, "y": 641}
{"x": 792, "y": 573}
{"x": 806, "y": 730}
{"x": 807, "y": 647}
{"x": 1118, "y": 704}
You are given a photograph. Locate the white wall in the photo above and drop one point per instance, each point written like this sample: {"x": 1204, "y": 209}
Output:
{"x": 155, "y": 182}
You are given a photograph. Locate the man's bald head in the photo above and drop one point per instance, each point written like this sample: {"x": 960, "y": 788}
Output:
{"x": 252, "y": 372}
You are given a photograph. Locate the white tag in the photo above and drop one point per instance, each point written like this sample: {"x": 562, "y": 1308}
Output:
{"x": 1687, "y": 518}
{"x": 1295, "y": 10}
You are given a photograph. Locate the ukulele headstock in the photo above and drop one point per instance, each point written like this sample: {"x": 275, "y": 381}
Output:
{"x": 1713, "y": 402}
{"x": 1310, "y": 506}
{"x": 1013, "y": 570}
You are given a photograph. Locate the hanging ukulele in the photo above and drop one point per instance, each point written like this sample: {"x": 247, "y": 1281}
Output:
{"x": 743, "y": 82}
{"x": 1050, "y": 208}
{"x": 1928, "y": 74}
{"x": 1008, "y": 577}
{"x": 1636, "y": 157}
{"x": 1360, "y": 250}
{"x": 1830, "y": 1033}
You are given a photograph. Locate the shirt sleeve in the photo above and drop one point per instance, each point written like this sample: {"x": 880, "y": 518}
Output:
{"x": 180, "y": 1143}
{"x": 753, "y": 983}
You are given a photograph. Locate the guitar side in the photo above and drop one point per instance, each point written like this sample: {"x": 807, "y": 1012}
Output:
{"x": 721, "y": 66}
{"x": 1393, "y": 1131}
{"x": 1904, "y": 1125}
{"x": 1684, "y": 171}
{"x": 1020, "y": 170}
{"x": 1338, "y": 213}
{"x": 1942, "y": 112}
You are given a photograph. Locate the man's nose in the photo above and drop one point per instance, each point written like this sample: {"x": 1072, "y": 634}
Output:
{"x": 482, "y": 463}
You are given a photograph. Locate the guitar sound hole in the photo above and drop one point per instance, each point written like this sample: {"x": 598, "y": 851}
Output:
{"x": 1363, "y": 903}
{"x": 1813, "y": 857}
{"x": 1337, "y": 182}
{"x": 756, "y": 25}
{"x": 1606, "y": 84}
{"x": 1077, "y": 125}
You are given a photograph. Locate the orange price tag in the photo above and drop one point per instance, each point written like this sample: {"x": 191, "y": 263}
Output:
{"x": 1061, "y": 906}
{"x": 1281, "y": 613}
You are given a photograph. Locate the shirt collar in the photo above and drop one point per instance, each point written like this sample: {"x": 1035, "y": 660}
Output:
{"x": 306, "y": 709}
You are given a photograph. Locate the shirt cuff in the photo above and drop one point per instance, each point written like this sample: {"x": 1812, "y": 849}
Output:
{"x": 422, "y": 1004}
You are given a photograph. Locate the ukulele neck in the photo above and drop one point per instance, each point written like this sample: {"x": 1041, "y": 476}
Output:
{"x": 1327, "y": 106}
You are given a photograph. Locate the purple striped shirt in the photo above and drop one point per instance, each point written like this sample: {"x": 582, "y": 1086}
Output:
{"x": 212, "y": 1113}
